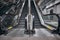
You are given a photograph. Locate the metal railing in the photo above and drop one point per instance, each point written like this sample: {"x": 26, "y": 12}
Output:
{"x": 41, "y": 19}
{"x": 20, "y": 12}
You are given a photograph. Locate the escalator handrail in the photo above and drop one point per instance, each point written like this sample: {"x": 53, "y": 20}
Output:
{"x": 20, "y": 12}
{"x": 57, "y": 15}
{"x": 40, "y": 17}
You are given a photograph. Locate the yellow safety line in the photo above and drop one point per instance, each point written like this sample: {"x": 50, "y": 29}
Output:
{"x": 9, "y": 27}
{"x": 49, "y": 27}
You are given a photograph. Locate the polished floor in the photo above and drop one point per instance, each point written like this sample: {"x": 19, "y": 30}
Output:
{"x": 40, "y": 34}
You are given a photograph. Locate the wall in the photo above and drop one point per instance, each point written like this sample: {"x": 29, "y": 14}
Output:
{"x": 58, "y": 9}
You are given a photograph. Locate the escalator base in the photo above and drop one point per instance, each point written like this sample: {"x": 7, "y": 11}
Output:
{"x": 29, "y": 32}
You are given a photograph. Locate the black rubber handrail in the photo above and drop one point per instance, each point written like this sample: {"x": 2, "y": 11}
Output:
{"x": 57, "y": 15}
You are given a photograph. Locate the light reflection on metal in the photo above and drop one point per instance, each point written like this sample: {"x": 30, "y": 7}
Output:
{"x": 29, "y": 17}
{"x": 40, "y": 17}
{"x": 29, "y": 6}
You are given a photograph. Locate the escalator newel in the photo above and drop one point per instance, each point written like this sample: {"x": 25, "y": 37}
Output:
{"x": 29, "y": 29}
{"x": 29, "y": 20}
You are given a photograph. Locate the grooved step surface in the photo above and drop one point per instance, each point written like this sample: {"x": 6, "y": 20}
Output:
{"x": 25, "y": 11}
{"x": 37, "y": 23}
{"x": 23, "y": 15}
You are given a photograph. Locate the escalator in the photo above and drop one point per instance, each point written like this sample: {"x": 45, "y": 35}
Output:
{"x": 22, "y": 23}
{"x": 23, "y": 15}
{"x": 37, "y": 23}
{"x": 7, "y": 21}
{"x": 19, "y": 31}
